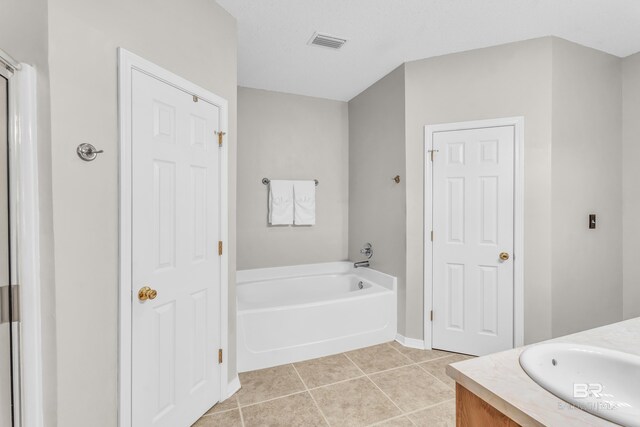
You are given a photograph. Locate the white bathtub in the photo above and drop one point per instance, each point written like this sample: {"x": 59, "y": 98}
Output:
{"x": 289, "y": 314}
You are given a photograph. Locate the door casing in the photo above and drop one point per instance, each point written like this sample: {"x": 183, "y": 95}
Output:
{"x": 518, "y": 253}
{"x": 127, "y": 62}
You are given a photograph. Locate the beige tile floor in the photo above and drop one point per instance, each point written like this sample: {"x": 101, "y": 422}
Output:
{"x": 383, "y": 385}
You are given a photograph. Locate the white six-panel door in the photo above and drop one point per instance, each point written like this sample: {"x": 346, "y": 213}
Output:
{"x": 473, "y": 223}
{"x": 175, "y": 232}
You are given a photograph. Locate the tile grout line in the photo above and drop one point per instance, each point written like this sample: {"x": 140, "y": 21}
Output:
{"x": 426, "y": 361}
{"x": 402, "y": 354}
{"x": 240, "y": 410}
{"x": 406, "y": 414}
{"x": 337, "y": 382}
{"x": 403, "y": 415}
{"x": 415, "y": 411}
{"x": 433, "y": 376}
{"x": 435, "y": 358}
{"x": 423, "y": 361}
{"x": 273, "y": 398}
{"x": 376, "y": 386}
{"x": 430, "y": 406}
{"x": 412, "y": 363}
{"x": 311, "y": 395}
{"x": 355, "y": 364}
{"x": 219, "y": 412}
{"x": 291, "y": 394}
{"x": 224, "y": 410}
{"x": 391, "y": 369}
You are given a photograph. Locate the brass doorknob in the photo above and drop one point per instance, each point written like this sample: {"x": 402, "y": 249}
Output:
{"x": 504, "y": 256}
{"x": 146, "y": 293}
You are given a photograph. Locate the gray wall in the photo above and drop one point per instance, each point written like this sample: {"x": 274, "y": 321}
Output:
{"x": 377, "y": 205}
{"x": 571, "y": 99}
{"x": 502, "y": 81}
{"x": 631, "y": 184}
{"x": 23, "y": 34}
{"x": 587, "y": 178}
{"x": 283, "y": 136}
{"x": 195, "y": 39}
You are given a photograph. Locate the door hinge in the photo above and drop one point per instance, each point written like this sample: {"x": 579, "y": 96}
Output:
{"x": 432, "y": 235}
{"x": 195, "y": 98}
{"x": 220, "y": 247}
{"x": 432, "y": 153}
{"x": 9, "y": 304}
{"x": 219, "y": 355}
{"x": 220, "y": 136}
{"x": 431, "y": 315}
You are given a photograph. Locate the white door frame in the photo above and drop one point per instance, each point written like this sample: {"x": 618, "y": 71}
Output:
{"x": 127, "y": 62}
{"x": 518, "y": 251}
{"x": 25, "y": 228}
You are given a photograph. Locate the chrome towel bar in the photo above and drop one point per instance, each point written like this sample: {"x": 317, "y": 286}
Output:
{"x": 266, "y": 181}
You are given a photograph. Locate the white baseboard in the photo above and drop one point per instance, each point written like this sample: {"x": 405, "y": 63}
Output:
{"x": 410, "y": 342}
{"x": 233, "y": 387}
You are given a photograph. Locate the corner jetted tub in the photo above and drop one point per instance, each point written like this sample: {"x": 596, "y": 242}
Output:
{"x": 289, "y": 314}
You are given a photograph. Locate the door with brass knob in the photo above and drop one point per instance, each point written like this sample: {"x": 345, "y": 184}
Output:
{"x": 176, "y": 201}
{"x": 472, "y": 215}
{"x": 146, "y": 293}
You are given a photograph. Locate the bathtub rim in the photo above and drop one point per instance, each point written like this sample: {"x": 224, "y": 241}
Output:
{"x": 305, "y": 270}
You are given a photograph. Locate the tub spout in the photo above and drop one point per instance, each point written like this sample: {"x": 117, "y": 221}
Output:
{"x": 361, "y": 264}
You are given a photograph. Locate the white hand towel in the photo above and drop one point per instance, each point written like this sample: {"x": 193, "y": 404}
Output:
{"x": 280, "y": 202}
{"x": 304, "y": 195}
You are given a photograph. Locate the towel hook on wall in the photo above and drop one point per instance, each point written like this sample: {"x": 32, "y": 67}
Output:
{"x": 88, "y": 152}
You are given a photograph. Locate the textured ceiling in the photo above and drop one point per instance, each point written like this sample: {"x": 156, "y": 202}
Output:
{"x": 273, "y": 53}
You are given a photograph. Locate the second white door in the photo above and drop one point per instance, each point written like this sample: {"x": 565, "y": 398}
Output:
{"x": 175, "y": 259}
{"x": 473, "y": 223}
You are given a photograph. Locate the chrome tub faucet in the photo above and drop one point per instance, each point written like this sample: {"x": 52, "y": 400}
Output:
{"x": 361, "y": 264}
{"x": 367, "y": 251}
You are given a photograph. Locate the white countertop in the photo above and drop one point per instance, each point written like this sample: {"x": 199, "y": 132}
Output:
{"x": 499, "y": 380}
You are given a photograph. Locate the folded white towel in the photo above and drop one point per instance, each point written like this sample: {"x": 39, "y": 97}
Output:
{"x": 280, "y": 202}
{"x": 304, "y": 195}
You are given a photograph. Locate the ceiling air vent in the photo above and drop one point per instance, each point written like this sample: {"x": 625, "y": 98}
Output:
{"x": 326, "y": 40}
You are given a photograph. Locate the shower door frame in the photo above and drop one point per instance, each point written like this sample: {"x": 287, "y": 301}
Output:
{"x": 10, "y": 348}
{"x": 25, "y": 229}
